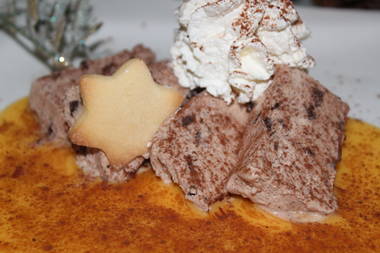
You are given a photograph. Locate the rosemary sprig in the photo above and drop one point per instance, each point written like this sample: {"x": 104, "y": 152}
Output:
{"x": 54, "y": 31}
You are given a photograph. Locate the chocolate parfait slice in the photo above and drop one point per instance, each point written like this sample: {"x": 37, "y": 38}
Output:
{"x": 291, "y": 147}
{"x": 198, "y": 147}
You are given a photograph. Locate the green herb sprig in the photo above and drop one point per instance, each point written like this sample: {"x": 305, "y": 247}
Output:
{"x": 54, "y": 31}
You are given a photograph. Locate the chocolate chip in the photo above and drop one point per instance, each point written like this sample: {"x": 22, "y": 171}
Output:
{"x": 73, "y": 107}
{"x": 80, "y": 149}
{"x": 193, "y": 191}
{"x": 194, "y": 92}
{"x": 66, "y": 125}
{"x": 310, "y": 110}
{"x": 187, "y": 120}
{"x": 50, "y": 130}
{"x": 268, "y": 123}
{"x": 197, "y": 138}
{"x": 309, "y": 151}
{"x": 317, "y": 95}
{"x": 189, "y": 161}
{"x": 276, "y": 145}
{"x": 276, "y": 106}
{"x": 250, "y": 106}
{"x": 257, "y": 117}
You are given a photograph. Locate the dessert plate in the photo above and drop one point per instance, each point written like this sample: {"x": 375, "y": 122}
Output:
{"x": 344, "y": 43}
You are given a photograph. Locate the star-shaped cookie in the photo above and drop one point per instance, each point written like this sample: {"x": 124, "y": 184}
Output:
{"x": 123, "y": 111}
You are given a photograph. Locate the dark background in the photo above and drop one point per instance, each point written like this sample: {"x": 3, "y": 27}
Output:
{"x": 362, "y": 4}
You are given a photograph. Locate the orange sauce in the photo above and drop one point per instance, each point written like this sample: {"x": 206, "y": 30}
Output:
{"x": 46, "y": 205}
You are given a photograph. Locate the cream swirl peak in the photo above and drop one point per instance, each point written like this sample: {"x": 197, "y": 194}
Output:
{"x": 230, "y": 47}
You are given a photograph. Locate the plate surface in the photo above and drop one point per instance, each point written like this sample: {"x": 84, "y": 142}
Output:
{"x": 345, "y": 44}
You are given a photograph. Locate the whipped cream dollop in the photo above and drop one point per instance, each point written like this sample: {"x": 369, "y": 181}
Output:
{"x": 230, "y": 47}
